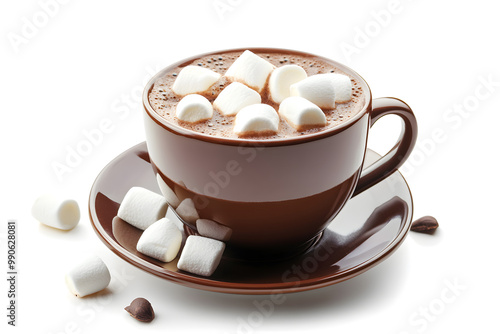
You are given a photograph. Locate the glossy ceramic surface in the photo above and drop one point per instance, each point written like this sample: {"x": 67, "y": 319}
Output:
{"x": 367, "y": 230}
{"x": 291, "y": 187}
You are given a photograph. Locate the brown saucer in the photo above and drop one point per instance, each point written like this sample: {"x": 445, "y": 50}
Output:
{"x": 368, "y": 229}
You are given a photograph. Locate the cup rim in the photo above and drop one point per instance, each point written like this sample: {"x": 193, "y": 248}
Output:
{"x": 176, "y": 129}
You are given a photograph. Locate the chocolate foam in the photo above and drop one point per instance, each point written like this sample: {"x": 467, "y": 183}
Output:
{"x": 164, "y": 101}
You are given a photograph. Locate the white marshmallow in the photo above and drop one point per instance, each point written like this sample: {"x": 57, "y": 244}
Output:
{"x": 282, "y": 78}
{"x": 319, "y": 89}
{"x": 187, "y": 211}
{"x": 88, "y": 277}
{"x": 251, "y": 70}
{"x": 167, "y": 192}
{"x": 194, "y": 79}
{"x": 201, "y": 255}
{"x": 256, "y": 118}
{"x": 50, "y": 210}
{"x": 142, "y": 207}
{"x": 235, "y": 97}
{"x": 343, "y": 87}
{"x": 210, "y": 229}
{"x": 162, "y": 240}
{"x": 301, "y": 113}
{"x": 194, "y": 108}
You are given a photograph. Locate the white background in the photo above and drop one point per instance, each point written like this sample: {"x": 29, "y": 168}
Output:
{"x": 92, "y": 57}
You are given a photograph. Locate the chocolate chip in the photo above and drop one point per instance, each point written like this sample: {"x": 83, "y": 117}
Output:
{"x": 141, "y": 310}
{"x": 425, "y": 224}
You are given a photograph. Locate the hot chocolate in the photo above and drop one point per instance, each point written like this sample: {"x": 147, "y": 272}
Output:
{"x": 275, "y": 194}
{"x": 164, "y": 101}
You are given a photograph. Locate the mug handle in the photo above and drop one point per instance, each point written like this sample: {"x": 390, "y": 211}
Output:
{"x": 390, "y": 162}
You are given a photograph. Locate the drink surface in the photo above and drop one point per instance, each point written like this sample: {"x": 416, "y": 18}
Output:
{"x": 164, "y": 101}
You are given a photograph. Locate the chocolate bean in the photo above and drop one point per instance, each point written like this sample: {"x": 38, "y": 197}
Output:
{"x": 425, "y": 224}
{"x": 141, "y": 310}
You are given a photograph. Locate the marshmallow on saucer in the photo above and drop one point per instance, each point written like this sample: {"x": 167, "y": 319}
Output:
{"x": 209, "y": 228}
{"x": 282, "y": 78}
{"x": 50, "y": 210}
{"x": 319, "y": 89}
{"x": 251, "y": 70}
{"x": 167, "y": 192}
{"x": 201, "y": 255}
{"x": 194, "y": 79}
{"x": 301, "y": 113}
{"x": 256, "y": 118}
{"x": 162, "y": 240}
{"x": 235, "y": 97}
{"x": 141, "y": 207}
{"x": 88, "y": 277}
{"x": 187, "y": 211}
{"x": 343, "y": 87}
{"x": 194, "y": 108}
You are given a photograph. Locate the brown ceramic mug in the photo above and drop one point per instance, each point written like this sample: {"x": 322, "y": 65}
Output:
{"x": 278, "y": 195}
